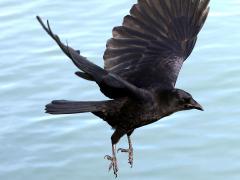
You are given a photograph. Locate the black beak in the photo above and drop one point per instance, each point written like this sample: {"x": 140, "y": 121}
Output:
{"x": 196, "y": 105}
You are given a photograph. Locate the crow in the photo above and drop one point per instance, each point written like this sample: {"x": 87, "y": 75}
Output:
{"x": 141, "y": 65}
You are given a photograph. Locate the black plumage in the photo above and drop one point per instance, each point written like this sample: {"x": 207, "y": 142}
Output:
{"x": 141, "y": 65}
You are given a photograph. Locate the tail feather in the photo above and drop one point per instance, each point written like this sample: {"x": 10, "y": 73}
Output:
{"x": 72, "y": 107}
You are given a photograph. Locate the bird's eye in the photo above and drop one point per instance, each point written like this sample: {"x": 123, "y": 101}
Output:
{"x": 187, "y": 100}
{"x": 184, "y": 101}
{"x": 181, "y": 101}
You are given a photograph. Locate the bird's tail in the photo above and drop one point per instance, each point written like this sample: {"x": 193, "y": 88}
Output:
{"x": 72, "y": 107}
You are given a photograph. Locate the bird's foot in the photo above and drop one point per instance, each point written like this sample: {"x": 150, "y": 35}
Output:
{"x": 130, "y": 155}
{"x": 113, "y": 165}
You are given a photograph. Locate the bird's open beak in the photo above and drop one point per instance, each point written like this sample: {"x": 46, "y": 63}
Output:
{"x": 196, "y": 105}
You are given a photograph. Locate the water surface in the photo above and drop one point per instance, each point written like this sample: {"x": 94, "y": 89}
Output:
{"x": 188, "y": 145}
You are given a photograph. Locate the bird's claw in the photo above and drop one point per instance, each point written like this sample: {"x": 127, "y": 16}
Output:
{"x": 113, "y": 165}
{"x": 130, "y": 155}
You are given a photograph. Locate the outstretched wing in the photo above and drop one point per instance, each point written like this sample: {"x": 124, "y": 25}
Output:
{"x": 148, "y": 50}
{"x": 110, "y": 84}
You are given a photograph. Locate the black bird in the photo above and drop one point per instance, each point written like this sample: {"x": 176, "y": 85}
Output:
{"x": 141, "y": 65}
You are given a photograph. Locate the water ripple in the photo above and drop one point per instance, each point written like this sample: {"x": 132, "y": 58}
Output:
{"x": 34, "y": 71}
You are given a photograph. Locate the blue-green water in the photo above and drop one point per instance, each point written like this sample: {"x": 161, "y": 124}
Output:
{"x": 188, "y": 145}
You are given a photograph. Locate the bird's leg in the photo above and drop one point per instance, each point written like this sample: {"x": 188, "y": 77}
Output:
{"x": 113, "y": 165}
{"x": 129, "y": 151}
{"x": 115, "y": 138}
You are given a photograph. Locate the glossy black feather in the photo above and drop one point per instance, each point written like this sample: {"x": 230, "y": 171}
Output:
{"x": 142, "y": 63}
{"x": 110, "y": 84}
{"x": 150, "y": 47}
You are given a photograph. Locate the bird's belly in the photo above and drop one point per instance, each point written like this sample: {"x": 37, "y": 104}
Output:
{"x": 146, "y": 119}
{"x": 131, "y": 115}
{"x": 138, "y": 118}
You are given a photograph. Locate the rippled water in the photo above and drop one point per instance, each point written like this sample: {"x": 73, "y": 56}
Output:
{"x": 188, "y": 145}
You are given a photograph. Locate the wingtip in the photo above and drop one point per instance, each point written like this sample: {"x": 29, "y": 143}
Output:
{"x": 38, "y": 18}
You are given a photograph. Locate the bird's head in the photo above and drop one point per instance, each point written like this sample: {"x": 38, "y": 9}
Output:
{"x": 182, "y": 100}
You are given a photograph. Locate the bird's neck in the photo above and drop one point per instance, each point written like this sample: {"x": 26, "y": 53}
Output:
{"x": 165, "y": 102}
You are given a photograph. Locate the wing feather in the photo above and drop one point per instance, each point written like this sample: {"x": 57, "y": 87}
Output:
{"x": 148, "y": 50}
